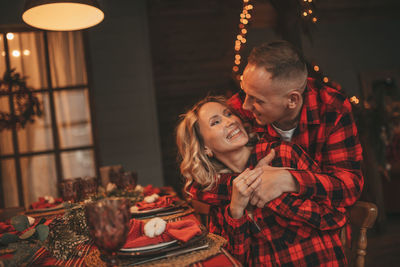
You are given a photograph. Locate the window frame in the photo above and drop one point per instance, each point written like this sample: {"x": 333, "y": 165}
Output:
{"x": 57, "y": 150}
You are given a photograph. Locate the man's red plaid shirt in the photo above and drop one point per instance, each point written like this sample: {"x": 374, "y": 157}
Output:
{"x": 328, "y": 134}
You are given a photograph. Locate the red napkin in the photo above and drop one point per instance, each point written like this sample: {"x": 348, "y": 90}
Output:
{"x": 161, "y": 202}
{"x": 183, "y": 230}
{"x": 149, "y": 190}
{"x": 43, "y": 204}
{"x": 180, "y": 230}
{"x": 6, "y": 227}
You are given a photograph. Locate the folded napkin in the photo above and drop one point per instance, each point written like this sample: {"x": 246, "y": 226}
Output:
{"x": 161, "y": 202}
{"x": 183, "y": 230}
{"x": 180, "y": 230}
{"x": 149, "y": 190}
{"x": 6, "y": 227}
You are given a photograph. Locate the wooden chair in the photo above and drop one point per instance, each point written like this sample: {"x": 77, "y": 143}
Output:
{"x": 201, "y": 211}
{"x": 361, "y": 216}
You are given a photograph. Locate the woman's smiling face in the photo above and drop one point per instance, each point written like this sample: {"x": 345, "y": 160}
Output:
{"x": 222, "y": 131}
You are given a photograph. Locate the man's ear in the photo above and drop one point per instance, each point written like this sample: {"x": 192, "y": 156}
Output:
{"x": 294, "y": 99}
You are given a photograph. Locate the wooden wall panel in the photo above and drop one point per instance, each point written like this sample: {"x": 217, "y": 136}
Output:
{"x": 192, "y": 53}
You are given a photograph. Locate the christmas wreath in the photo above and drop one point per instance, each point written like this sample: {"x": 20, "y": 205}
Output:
{"x": 24, "y": 104}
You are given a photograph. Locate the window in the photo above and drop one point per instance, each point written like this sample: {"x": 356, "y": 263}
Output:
{"x": 59, "y": 144}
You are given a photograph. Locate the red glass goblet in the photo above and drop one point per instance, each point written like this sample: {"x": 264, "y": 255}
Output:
{"x": 108, "y": 222}
{"x": 70, "y": 189}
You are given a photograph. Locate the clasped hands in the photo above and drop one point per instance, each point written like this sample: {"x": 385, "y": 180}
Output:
{"x": 260, "y": 185}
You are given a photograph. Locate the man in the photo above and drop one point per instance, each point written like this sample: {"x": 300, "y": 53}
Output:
{"x": 282, "y": 103}
{"x": 286, "y": 105}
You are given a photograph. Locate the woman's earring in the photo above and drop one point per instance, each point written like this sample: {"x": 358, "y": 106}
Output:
{"x": 208, "y": 152}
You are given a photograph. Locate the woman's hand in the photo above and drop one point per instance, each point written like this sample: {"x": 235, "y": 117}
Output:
{"x": 242, "y": 188}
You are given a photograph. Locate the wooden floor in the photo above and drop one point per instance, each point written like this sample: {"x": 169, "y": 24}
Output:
{"x": 384, "y": 244}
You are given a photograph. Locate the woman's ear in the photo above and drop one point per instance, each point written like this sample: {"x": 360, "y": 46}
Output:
{"x": 294, "y": 99}
{"x": 208, "y": 151}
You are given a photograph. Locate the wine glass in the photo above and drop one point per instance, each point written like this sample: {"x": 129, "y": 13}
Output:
{"x": 108, "y": 222}
{"x": 70, "y": 189}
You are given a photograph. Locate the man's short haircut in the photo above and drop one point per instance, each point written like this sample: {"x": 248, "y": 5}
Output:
{"x": 280, "y": 58}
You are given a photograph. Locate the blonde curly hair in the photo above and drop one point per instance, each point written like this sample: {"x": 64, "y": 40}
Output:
{"x": 195, "y": 164}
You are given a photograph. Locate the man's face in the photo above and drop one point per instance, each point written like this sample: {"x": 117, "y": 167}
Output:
{"x": 268, "y": 103}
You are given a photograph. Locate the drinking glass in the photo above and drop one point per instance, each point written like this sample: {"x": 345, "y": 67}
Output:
{"x": 108, "y": 222}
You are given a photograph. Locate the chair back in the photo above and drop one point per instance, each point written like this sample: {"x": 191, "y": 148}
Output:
{"x": 362, "y": 217}
{"x": 201, "y": 211}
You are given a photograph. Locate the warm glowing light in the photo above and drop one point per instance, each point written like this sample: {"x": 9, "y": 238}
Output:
{"x": 237, "y": 48}
{"x": 244, "y": 31}
{"x": 309, "y": 1}
{"x": 238, "y": 57}
{"x": 235, "y": 68}
{"x": 237, "y": 42}
{"x": 10, "y": 36}
{"x": 314, "y": 19}
{"x": 237, "y": 62}
{"x": 249, "y": 7}
{"x": 26, "y": 52}
{"x": 242, "y": 16}
{"x": 243, "y": 40}
{"x": 316, "y": 68}
{"x": 325, "y": 79}
{"x": 354, "y": 100}
{"x": 239, "y": 37}
{"x": 245, "y": 1}
{"x": 3, "y": 53}
{"x": 245, "y": 21}
{"x": 16, "y": 53}
{"x": 62, "y": 15}
{"x": 241, "y": 77}
{"x": 305, "y": 14}
{"x": 310, "y": 11}
{"x": 245, "y": 11}
{"x": 248, "y": 16}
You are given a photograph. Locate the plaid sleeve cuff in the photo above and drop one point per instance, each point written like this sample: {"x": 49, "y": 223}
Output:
{"x": 235, "y": 223}
{"x": 306, "y": 182}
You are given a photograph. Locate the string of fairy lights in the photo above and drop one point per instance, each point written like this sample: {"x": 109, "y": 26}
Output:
{"x": 307, "y": 14}
{"x": 245, "y": 17}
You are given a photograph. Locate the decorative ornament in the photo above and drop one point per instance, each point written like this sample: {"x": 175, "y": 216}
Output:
{"x": 67, "y": 232}
{"x": 26, "y": 105}
{"x": 154, "y": 227}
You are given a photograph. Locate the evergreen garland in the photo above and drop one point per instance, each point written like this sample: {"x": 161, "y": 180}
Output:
{"x": 67, "y": 232}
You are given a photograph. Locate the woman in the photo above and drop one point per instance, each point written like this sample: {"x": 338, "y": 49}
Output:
{"x": 289, "y": 230}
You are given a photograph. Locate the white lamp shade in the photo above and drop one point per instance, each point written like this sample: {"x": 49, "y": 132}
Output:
{"x": 62, "y": 15}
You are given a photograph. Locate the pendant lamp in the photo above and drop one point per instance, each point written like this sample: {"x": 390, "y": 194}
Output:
{"x": 61, "y": 15}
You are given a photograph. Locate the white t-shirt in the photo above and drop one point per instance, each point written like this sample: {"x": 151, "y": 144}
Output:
{"x": 286, "y": 135}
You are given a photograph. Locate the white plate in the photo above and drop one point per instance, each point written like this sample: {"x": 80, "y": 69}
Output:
{"x": 159, "y": 245}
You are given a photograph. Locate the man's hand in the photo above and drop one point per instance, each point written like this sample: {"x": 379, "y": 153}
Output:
{"x": 274, "y": 182}
{"x": 242, "y": 188}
